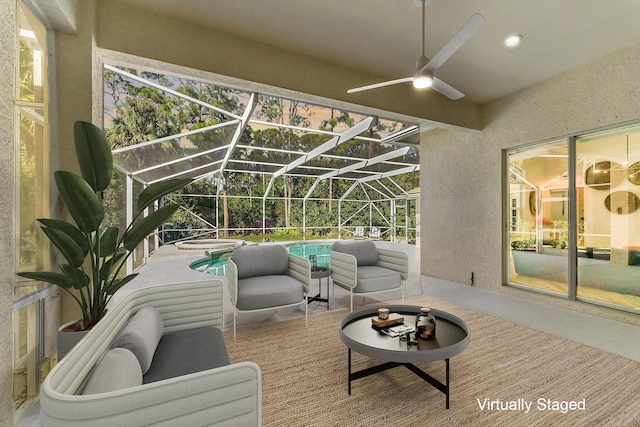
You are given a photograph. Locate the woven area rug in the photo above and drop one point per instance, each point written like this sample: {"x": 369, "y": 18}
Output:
{"x": 505, "y": 368}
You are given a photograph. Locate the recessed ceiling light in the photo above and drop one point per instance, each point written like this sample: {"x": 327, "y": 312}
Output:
{"x": 513, "y": 40}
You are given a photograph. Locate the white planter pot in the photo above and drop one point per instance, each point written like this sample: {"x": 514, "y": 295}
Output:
{"x": 68, "y": 339}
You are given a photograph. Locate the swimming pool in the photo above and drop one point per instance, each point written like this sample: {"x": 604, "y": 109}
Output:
{"x": 217, "y": 262}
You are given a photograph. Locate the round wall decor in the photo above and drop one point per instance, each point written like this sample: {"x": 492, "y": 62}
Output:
{"x": 622, "y": 202}
{"x": 634, "y": 173}
{"x": 598, "y": 176}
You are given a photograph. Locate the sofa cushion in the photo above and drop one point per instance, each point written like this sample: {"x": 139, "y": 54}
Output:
{"x": 260, "y": 260}
{"x": 185, "y": 352}
{"x": 365, "y": 252}
{"x": 141, "y": 335}
{"x": 372, "y": 278}
{"x": 118, "y": 369}
{"x": 269, "y": 291}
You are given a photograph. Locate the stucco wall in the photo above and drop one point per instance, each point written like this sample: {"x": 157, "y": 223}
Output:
{"x": 7, "y": 212}
{"x": 461, "y": 172}
{"x": 457, "y": 210}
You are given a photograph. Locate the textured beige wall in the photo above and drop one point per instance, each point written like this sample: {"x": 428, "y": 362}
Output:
{"x": 7, "y": 208}
{"x": 461, "y": 172}
{"x": 456, "y": 216}
{"x": 123, "y": 28}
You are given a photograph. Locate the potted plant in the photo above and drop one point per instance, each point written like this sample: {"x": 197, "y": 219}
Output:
{"x": 94, "y": 254}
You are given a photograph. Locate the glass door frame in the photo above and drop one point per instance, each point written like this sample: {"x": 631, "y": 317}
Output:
{"x": 572, "y": 228}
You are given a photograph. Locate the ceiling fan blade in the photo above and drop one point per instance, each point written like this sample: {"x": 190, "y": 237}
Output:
{"x": 445, "y": 89}
{"x": 382, "y": 84}
{"x": 464, "y": 33}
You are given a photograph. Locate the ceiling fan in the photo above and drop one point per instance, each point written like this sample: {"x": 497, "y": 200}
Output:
{"x": 424, "y": 75}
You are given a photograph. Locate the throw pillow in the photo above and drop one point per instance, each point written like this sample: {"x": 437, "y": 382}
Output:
{"x": 118, "y": 369}
{"x": 141, "y": 335}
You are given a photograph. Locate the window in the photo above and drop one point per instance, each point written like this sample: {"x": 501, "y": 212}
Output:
{"x": 33, "y": 138}
{"x": 34, "y": 349}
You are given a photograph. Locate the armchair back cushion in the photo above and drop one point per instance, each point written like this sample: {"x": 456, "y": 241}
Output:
{"x": 260, "y": 260}
{"x": 365, "y": 252}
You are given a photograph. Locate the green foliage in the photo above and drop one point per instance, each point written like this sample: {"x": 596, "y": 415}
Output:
{"x": 95, "y": 252}
{"x": 288, "y": 233}
{"x": 521, "y": 245}
{"x": 560, "y": 237}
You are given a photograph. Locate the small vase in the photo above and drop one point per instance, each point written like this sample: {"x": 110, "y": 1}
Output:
{"x": 425, "y": 324}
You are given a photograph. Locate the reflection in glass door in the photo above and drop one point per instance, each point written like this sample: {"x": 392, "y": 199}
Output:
{"x": 539, "y": 213}
{"x": 608, "y": 219}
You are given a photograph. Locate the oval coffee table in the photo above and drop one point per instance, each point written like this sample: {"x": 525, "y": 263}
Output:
{"x": 358, "y": 334}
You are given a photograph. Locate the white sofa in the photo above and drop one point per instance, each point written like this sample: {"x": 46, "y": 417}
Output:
{"x": 229, "y": 395}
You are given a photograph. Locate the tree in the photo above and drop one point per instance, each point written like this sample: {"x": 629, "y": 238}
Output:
{"x": 135, "y": 114}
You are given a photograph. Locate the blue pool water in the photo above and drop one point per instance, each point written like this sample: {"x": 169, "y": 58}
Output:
{"x": 217, "y": 263}
{"x": 321, "y": 251}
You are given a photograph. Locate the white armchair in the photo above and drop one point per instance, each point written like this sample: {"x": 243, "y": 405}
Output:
{"x": 374, "y": 233}
{"x": 363, "y": 268}
{"x": 267, "y": 277}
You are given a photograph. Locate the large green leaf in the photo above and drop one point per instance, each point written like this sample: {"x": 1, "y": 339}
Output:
{"x": 108, "y": 267}
{"x": 145, "y": 226}
{"x": 66, "y": 245}
{"x": 69, "y": 229}
{"x": 120, "y": 283}
{"x": 108, "y": 241}
{"x": 49, "y": 277}
{"x": 78, "y": 277}
{"x": 94, "y": 155}
{"x": 159, "y": 189}
{"x": 83, "y": 203}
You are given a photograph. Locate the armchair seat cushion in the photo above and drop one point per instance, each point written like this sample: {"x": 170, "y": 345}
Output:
{"x": 372, "y": 278}
{"x": 259, "y": 292}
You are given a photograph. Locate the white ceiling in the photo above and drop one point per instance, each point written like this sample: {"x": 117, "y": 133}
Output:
{"x": 383, "y": 36}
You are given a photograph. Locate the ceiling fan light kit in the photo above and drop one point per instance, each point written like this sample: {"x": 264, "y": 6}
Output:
{"x": 424, "y": 75}
{"x": 421, "y": 81}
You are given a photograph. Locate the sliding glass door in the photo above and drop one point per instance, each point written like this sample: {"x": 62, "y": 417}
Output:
{"x": 608, "y": 220}
{"x": 538, "y": 214}
{"x": 573, "y": 217}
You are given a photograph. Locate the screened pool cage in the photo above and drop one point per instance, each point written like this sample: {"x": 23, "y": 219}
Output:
{"x": 261, "y": 164}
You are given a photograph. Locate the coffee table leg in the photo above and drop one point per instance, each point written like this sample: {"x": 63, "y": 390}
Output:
{"x": 349, "y": 357}
{"x": 447, "y": 386}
